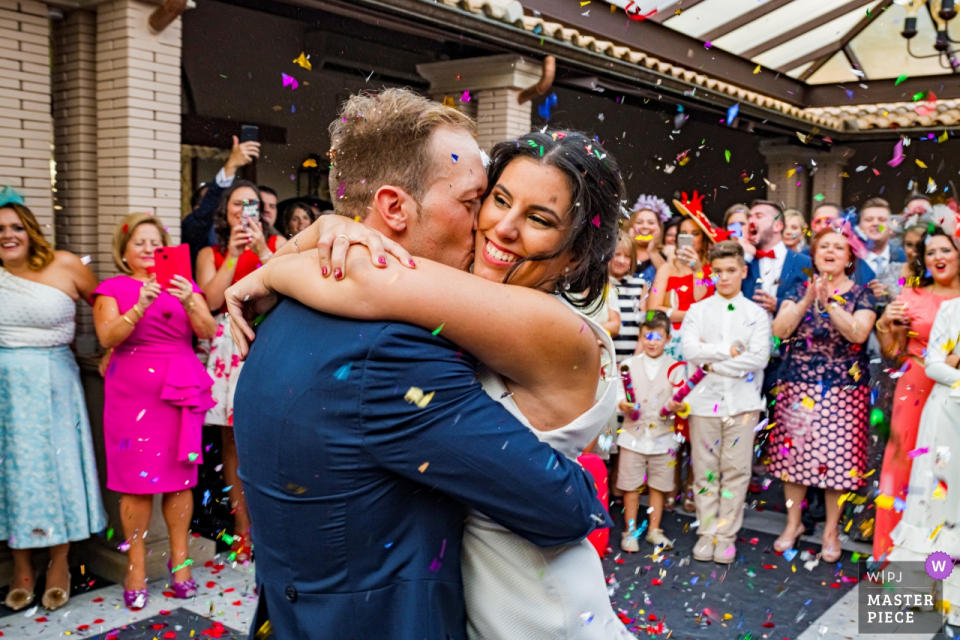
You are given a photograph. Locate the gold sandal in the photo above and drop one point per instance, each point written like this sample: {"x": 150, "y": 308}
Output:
{"x": 18, "y": 599}
{"x": 55, "y": 597}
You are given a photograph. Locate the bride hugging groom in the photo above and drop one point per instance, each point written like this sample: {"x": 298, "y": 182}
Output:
{"x": 393, "y": 496}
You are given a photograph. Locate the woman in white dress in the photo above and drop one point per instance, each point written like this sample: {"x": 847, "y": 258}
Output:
{"x": 546, "y": 231}
{"x": 933, "y": 502}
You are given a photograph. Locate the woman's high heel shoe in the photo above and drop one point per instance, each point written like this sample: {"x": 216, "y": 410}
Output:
{"x": 21, "y": 598}
{"x": 136, "y": 599}
{"x": 831, "y": 551}
{"x": 785, "y": 542}
{"x": 182, "y": 590}
{"x": 55, "y": 597}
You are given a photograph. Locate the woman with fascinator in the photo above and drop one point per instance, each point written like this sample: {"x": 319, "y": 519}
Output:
{"x": 646, "y": 229}
{"x": 48, "y": 479}
{"x": 821, "y": 414}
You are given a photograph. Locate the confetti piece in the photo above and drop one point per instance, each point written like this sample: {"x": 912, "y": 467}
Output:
{"x": 289, "y": 81}
{"x": 437, "y": 331}
{"x": 309, "y": 163}
{"x": 918, "y": 452}
{"x": 901, "y": 79}
{"x": 884, "y": 502}
{"x": 140, "y": 415}
{"x": 85, "y": 260}
{"x": 808, "y": 403}
{"x": 732, "y": 114}
{"x": 303, "y": 62}
{"x": 920, "y": 163}
{"x": 943, "y": 136}
{"x": 756, "y": 70}
{"x": 343, "y": 372}
{"x": 465, "y": 97}
{"x": 596, "y": 221}
{"x": 940, "y": 492}
{"x": 417, "y": 397}
{"x": 423, "y": 467}
{"x": 455, "y": 157}
{"x": 790, "y": 554}
{"x": 192, "y": 457}
{"x": 726, "y": 154}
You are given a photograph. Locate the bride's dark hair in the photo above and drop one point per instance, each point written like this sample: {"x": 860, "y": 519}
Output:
{"x": 596, "y": 194}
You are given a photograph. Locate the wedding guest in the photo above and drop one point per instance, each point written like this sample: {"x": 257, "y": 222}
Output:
{"x": 296, "y": 217}
{"x": 629, "y": 288}
{"x": 729, "y": 337}
{"x": 268, "y": 214}
{"x": 670, "y": 230}
{"x": 904, "y": 332}
{"x": 738, "y": 213}
{"x": 775, "y": 270}
{"x": 49, "y": 492}
{"x": 821, "y": 416}
{"x": 795, "y": 230}
{"x": 196, "y": 229}
{"x": 924, "y": 527}
{"x": 646, "y": 225}
{"x": 875, "y": 222}
{"x": 157, "y": 393}
{"x": 648, "y": 450}
{"x": 682, "y": 281}
{"x": 241, "y": 248}
{"x": 917, "y": 205}
{"x": 823, "y": 214}
{"x": 735, "y": 221}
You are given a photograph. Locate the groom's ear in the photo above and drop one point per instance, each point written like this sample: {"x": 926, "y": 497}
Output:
{"x": 395, "y": 207}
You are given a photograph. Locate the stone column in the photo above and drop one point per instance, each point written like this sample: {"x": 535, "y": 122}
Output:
{"x": 75, "y": 150}
{"x": 801, "y": 190}
{"x": 138, "y": 120}
{"x": 494, "y": 82}
{"x": 26, "y": 130}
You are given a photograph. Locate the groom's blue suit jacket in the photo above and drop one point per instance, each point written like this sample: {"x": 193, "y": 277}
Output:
{"x": 358, "y": 496}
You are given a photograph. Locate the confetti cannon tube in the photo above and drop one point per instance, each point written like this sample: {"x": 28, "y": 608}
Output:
{"x": 685, "y": 390}
{"x": 628, "y": 388}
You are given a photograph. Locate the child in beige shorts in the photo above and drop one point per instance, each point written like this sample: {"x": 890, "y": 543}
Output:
{"x": 647, "y": 445}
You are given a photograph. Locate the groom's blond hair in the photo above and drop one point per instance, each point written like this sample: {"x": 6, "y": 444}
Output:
{"x": 383, "y": 139}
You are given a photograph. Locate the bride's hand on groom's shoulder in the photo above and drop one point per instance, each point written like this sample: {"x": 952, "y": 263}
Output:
{"x": 246, "y": 301}
{"x": 337, "y": 233}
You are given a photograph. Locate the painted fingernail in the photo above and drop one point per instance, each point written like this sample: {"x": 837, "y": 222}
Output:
{"x": 337, "y": 273}
{"x": 412, "y": 263}
{"x": 382, "y": 260}
{"x": 324, "y": 271}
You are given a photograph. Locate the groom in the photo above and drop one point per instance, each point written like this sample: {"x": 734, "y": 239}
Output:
{"x": 362, "y": 443}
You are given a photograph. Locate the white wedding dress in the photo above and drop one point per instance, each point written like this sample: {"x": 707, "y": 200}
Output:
{"x": 515, "y": 589}
{"x": 932, "y": 513}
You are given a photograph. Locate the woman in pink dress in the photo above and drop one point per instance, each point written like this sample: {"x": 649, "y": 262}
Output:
{"x": 903, "y": 331}
{"x": 157, "y": 393}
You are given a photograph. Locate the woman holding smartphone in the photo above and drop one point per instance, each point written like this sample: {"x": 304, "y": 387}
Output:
{"x": 241, "y": 249}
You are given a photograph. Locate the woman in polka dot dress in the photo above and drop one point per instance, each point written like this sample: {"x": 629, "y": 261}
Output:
{"x": 819, "y": 436}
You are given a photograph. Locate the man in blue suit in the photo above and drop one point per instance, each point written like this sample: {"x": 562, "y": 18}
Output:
{"x": 775, "y": 270}
{"x": 875, "y": 223}
{"x": 362, "y": 443}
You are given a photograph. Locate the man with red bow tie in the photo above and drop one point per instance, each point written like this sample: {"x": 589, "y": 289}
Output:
{"x": 775, "y": 270}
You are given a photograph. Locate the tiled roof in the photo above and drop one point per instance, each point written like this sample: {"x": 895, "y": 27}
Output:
{"x": 894, "y": 115}
{"x": 855, "y": 118}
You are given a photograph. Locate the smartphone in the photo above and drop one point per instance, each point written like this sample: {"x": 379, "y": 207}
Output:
{"x": 169, "y": 262}
{"x": 684, "y": 240}
{"x": 250, "y": 212}
{"x": 249, "y": 133}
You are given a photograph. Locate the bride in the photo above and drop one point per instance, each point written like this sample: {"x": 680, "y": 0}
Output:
{"x": 545, "y": 234}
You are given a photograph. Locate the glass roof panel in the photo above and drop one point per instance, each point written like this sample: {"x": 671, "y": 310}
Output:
{"x": 710, "y": 14}
{"x": 795, "y": 73}
{"x": 836, "y": 69}
{"x": 883, "y": 51}
{"x": 776, "y": 23}
{"x": 809, "y": 42}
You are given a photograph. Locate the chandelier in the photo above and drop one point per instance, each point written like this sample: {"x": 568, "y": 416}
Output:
{"x": 941, "y": 12}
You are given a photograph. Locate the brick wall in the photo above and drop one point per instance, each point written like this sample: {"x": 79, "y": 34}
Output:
{"x": 499, "y": 117}
{"x": 25, "y": 120}
{"x": 74, "y": 74}
{"x": 138, "y": 120}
